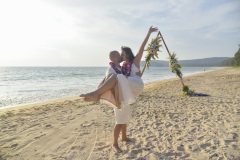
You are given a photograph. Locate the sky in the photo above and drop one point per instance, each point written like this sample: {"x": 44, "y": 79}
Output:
{"x": 82, "y": 33}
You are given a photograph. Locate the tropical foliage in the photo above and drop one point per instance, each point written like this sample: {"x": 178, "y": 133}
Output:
{"x": 236, "y": 59}
{"x": 152, "y": 49}
{"x": 173, "y": 64}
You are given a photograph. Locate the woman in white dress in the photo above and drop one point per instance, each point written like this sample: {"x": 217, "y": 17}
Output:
{"x": 128, "y": 85}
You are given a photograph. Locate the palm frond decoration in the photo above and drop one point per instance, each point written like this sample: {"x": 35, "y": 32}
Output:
{"x": 176, "y": 68}
{"x": 174, "y": 65}
{"x": 187, "y": 92}
{"x": 152, "y": 49}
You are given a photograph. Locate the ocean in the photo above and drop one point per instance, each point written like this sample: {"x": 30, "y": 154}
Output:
{"x": 23, "y": 85}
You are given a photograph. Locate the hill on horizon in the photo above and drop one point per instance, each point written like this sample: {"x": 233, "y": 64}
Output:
{"x": 204, "y": 62}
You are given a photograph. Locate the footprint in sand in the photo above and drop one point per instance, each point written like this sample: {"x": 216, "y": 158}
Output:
{"x": 168, "y": 125}
{"x": 180, "y": 148}
{"x": 201, "y": 138}
{"x": 13, "y": 126}
{"x": 140, "y": 128}
{"x": 228, "y": 142}
{"x": 14, "y": 145}
{"x": 48, "y": 125}
{"x": 136, "y": 151}
{"x": 100, "y": 148}
{"x": 86, "y": 124}
{"x": 204, "y": 146}
{"x": 75, "y": 147}
{"x": 37, "y": 137}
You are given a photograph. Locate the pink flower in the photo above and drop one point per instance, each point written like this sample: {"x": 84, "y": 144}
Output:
{"x": 126, "y": 68}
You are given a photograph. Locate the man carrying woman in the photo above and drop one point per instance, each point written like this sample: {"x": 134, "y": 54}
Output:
{"x": 121, "y": 86}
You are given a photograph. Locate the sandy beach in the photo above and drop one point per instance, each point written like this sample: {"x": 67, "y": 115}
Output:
{"x": 164, "y": 125}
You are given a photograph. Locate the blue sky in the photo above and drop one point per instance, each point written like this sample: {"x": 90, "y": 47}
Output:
{"x": 82, "y": 33}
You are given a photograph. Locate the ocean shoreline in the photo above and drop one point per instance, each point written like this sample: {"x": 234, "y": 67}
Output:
{"x": 70, "y": 97}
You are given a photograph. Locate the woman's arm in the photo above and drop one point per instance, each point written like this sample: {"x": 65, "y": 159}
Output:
{"x": 138, "y": 57}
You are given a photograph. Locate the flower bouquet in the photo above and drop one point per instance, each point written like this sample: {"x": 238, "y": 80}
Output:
{"x": 152, "y": 49}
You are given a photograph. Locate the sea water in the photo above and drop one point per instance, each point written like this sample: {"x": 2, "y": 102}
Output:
{"x": 22, "y": 85}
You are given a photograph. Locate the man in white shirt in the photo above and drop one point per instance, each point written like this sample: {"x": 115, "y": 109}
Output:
{"x": 122, "y": 116}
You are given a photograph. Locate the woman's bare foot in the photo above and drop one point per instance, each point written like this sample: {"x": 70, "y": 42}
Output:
{"x": 87, "y": 99}
{"x": 92, "y": 96}
{"x": 116, "y": 148}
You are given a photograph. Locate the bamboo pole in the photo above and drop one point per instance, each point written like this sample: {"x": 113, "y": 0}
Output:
{"x": 164, "y": 44}
{"x": 144, "y": 68}
{"x": 169, "y": 55}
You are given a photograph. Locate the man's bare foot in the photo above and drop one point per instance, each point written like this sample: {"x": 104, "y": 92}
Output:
{"x": 127, "y": 140}
{"x": 92, "y": 96}
{"x": 116, "y": 148}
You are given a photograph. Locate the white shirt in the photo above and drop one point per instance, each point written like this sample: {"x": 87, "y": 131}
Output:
{"x": 122, "y": 116}
{"x": 110, "y": 70}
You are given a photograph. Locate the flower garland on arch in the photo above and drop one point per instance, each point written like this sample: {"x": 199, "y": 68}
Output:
{"x": 152, "y": 49}
{"x": 176, "y": 68}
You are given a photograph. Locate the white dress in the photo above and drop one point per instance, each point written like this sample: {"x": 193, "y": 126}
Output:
{"x": 123, "y": 115}
{"x": 131, "y": 87}
{"x": 135, "y": 82}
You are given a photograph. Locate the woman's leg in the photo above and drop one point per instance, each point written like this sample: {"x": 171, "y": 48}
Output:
{"x": 107, "y": 85}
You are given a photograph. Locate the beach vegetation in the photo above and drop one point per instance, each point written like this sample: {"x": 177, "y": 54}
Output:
{"x": 236, "y": 59}
{"x": 228, "y": 62}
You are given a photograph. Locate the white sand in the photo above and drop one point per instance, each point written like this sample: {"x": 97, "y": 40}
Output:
{"x": 165, "y": 124}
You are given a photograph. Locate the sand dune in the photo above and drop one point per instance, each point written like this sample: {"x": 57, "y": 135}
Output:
{"x": 164, "y": 125}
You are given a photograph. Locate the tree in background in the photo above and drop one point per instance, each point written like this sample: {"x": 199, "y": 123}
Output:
{"x": 228, "y": 62}
{"x": 236, "y": 59}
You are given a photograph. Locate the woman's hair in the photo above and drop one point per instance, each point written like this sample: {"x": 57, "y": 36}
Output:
{"x": 129, "y": 53}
